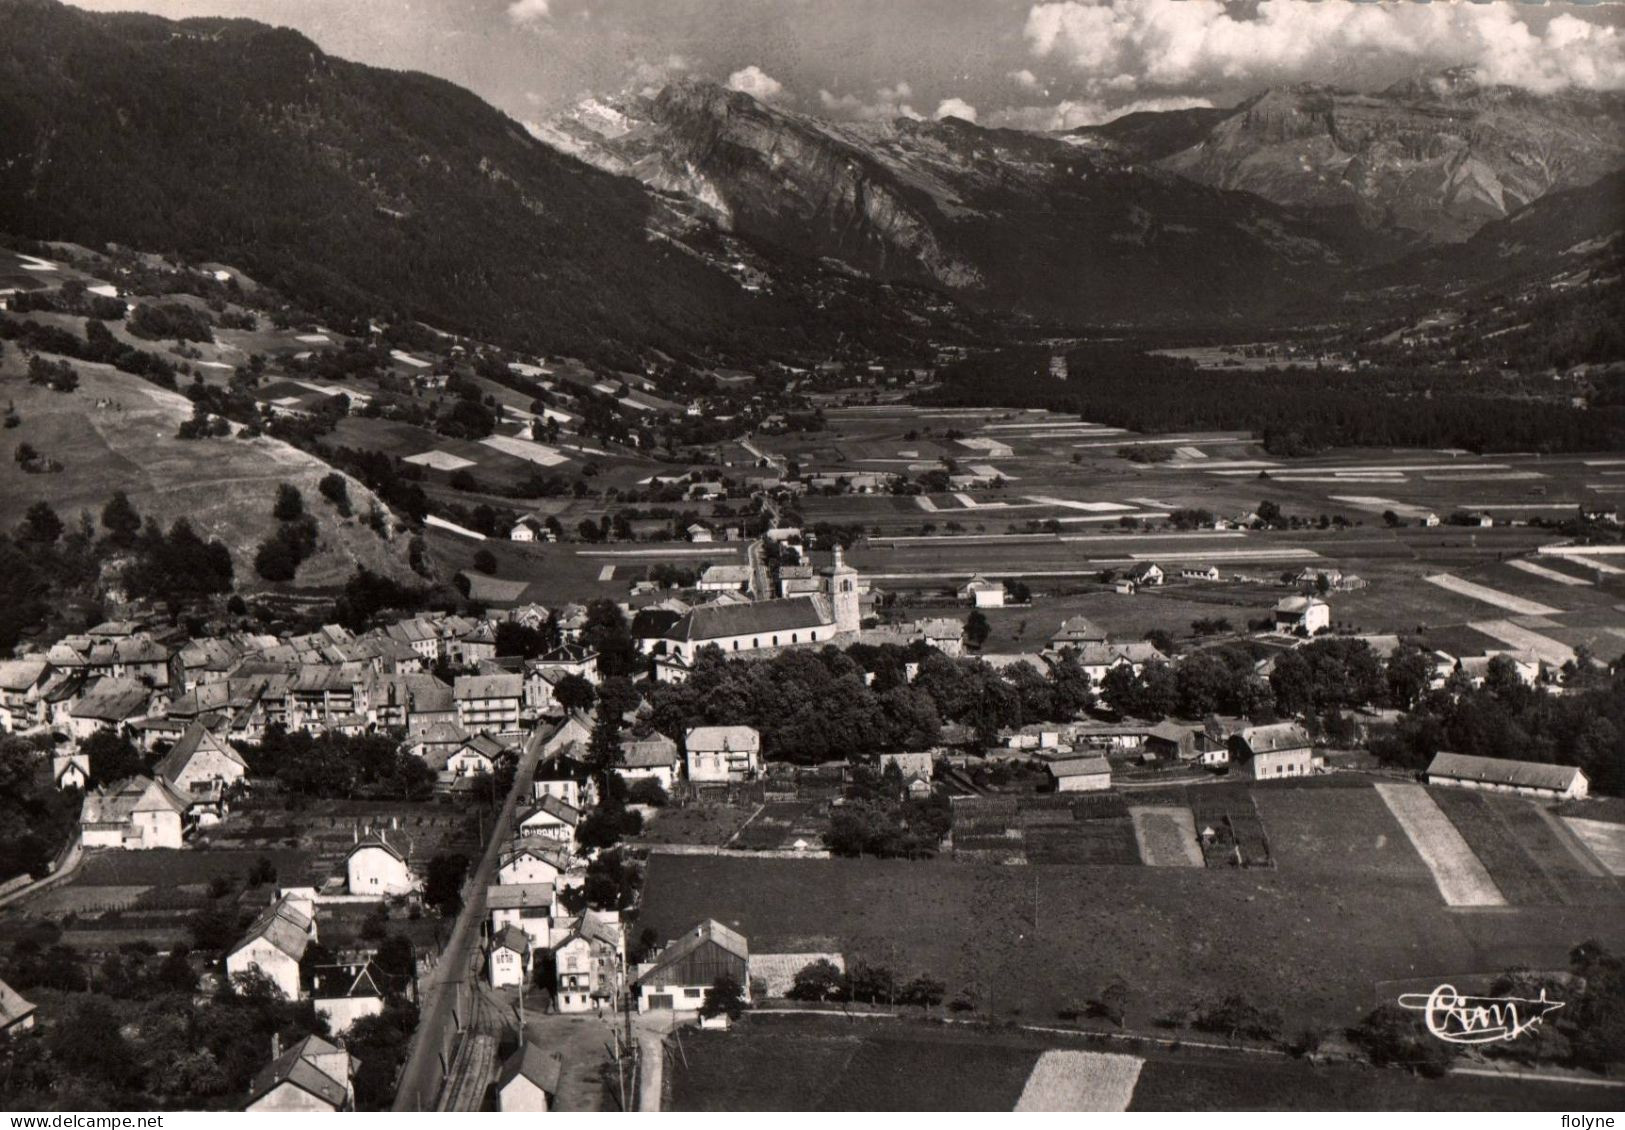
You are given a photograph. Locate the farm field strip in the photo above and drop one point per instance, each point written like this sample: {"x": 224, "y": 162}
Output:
{"x": 440, "y": 523}
{"x": 1096, "y": 507}
{"x": 1511, "y": 603}
{"x": 1520, "y": 506}
{"x": 1457, "y": 872}
{"x": 1606, "y": 841}
{"x": 528, "y": 450}
{"x": 1376, "y": 479}
{"x": 674, "y": 551}
{"x": 607, "y": 573}
{"x": 1604, "y": 462}
{"x": 1141, "y": 514}
{"x": 1166, "y": 837}
{"x": 439, "y": 460}
{"x": 1190, "y": 453}
{"x": 1485, "y": 477}
{"x": 1373, "y": 502}
{"x": 1237, "y": 555}
{"x": 1066, "y": 1080}
{"x": 1550, "y": 650}
{"x": 1418, "y": 468}
{"x": 1492, "y": 839}
{"x": 925, "y": 503}
{"x": 1549, "y": 574}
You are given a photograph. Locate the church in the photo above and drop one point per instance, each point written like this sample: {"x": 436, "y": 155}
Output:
{"x": 831, "y": 615}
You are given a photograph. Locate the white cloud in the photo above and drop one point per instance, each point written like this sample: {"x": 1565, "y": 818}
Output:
{"x": 955, "y": 108}
{"x": 1024, "y": 79}
{"x": 756, "y": 83}
{"x": 527, "y": 11}
{"x": 1074, "y": 112}
{"x": 1184, "y": 42}
{"x": 649, "y": 75}
{"x": 889, "y": 102}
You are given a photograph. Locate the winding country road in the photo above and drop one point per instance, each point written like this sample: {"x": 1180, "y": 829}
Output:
{"x": 425, "y": 1071}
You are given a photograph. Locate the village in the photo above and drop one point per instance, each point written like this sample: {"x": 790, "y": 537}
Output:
{"x": 524, "y": 848}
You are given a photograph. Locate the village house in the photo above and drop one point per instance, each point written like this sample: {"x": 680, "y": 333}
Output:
{"x": 313, "y": 1076}
{"x": 1304, "y": 615}
{"x": 523, "y": 864}
{"x": 274, "y": 946}
{"x": 374, "y": 866}
{"x": 529, "y": 1081}
{"x": 438, "y": 742}
{"x": 530, "y": 907}
{"x": 1281, "y": 749}
{"x": 700, "y": 533}
{"x": 725, "y": 578}
{"x": 1080, "y": 774}
{"x": 477, "y": 755}
{"x": 488, "y": 702}
{"x": 21, "y": 681}
{"x": 344, "y": 995}
{"x": 70, "y": 770}
{"x": 982, "y": 592}
{"x": 136, "y": 814}
{"x": 550, "y": 819}
{"x": 529, "y": 528}
{"x": 16, "y": 1014}
{"x": 412, "y": 702}
{"x": 1100, "y": 659}
{"x": 475, "y": 646}
{"x": 1075, "y": 633}
{"x": 723, "y": 753}
{"x": 566, "y": 778}
{"x": 1147, "y": 573}
{"x": 508, "y": 958}
{"x": 921, "y": 764}
{"x": 680, "y": 974}
{"x": 654, "y": 758}
{"x": 1499, "y": 775}
{"x": 588, "y": 961}
{"x": 109, "y": 703}
{"x": 1170, "y": 739}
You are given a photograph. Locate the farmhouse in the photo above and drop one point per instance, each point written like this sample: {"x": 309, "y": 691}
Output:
{"x": 508, "y": 958}
{"x": 274, "y": 946}
{"x": 681, "y": 973}
{"x": 201, "y": 765}
{"x": 477, "y": 755}
{"x": 1098, "y": 659}
{"x": 488, "y": 702}
{"x": 529, "y": 1081}
{"x": 1147, "y": 573}
{"x": 723, "y": 753}
{"x": 345, "y": 995}
{"x": 1493, "y": 774}
{"x": 1080, "y": 774}
{"x": 108, "y": 703}
{"x": 652, "y": 759}
{"x": 1303, "y": 614}
{"x": 136, "y": 814}
{"x": 983, "y": 593}
{"x": 1282, "y": 749}
{"x": 311, "y": 1076}
{"x": 375, "y": 866}
{"x": 1171, "y": 739}
{"x": 725, "y": 578}
{"x": 70, "y": 770}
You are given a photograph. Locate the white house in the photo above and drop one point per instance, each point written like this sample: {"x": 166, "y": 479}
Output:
{"x": 1499, "y": 775}
{"x": 527, "y": 863}
{"x": 274, "y": 945}
{"x": 1147, "y": 573}
{"x": 136, "y": 814}
{"x": 477, "y": 755}
{"x": 725, "y": 578}
{"x": 588, "y": 962}
{"x": 70, "y": 770}
{"x": 723, "y": 753}
{"x": 983, "y": 593}
{"x": 567, "y": 779}
{"x": 551, "y": 819}
{"x": 488, "y": 703}
{"x": 1282, "y": 749}
{"x": 529, "y": 1081}
{"x": 1305, "y": 614}
{"x": 508, "y": 958}
{"x": 652, "y": 759}
{"x": 344, "y": 996}
{"x": 377, "y": 867}
{"x": 1080, "y": 774}
{"x": 201, "y": 758}
{"x": 530, "y": 907}
{"x": 313, "y": 1076}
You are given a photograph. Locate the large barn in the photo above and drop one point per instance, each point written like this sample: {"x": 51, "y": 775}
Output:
{"x": 682, "y": 972}
{"x": 1498, "y": 775}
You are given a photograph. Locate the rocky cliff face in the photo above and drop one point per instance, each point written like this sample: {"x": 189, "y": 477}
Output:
{"x": 1434, "y": 158}
{"x": 1009, "y": 219}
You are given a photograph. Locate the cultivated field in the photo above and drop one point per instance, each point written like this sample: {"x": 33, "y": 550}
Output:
{"x": 1461, "y": 878}
{"x": 1077, "y": 1081}
{"x": 1606, "y": 841}
{"x": 1167, "y": 837}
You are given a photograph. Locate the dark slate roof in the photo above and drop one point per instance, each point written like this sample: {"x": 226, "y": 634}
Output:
{"x": 536, "y": 1065}
{"x": 719, "y": 621}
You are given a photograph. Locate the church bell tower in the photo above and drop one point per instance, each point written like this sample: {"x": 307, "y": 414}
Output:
{"x": 841, "y": 585}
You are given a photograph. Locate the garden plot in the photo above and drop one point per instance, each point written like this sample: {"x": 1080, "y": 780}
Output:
{"x": 1460, "y": 877}
{"x": 1606, "y": 841}
{"x": 1166, "y": 837}
{"x": 528, "y": 450}
{"x": 1522, "y": 607}
{"x": 1065, "y": 1080}
{"x": 1549, "y": 650}
{"x": 439, "y": 460}
{"x": 1548, "y": 574}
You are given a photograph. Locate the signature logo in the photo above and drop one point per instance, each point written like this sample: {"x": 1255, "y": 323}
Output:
{"x": 1458, "y": 1019}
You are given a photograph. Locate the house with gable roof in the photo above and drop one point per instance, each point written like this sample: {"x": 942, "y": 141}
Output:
{"x": 529, "y": 1081}
{"x": 374, "y": 866}
{"x": 723, "y": 753}
{"x": 680, "y": 973}
{"x": 313, "y": 1076}
{"x": 1281, "y": 749}
{"x": 201, "y": 766}
{"x": 274, "y": 945}
{"x": 588, "y": 961}
{"x": 135, "y": 814}
{"x": 508, "y": 958}
{"x": 550, "y": 819}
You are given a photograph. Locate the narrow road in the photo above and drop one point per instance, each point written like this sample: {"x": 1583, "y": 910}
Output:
{"x": 424, "y": 1073}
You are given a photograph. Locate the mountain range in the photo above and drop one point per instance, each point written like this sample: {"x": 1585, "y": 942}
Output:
{"x": 700, "y": 219}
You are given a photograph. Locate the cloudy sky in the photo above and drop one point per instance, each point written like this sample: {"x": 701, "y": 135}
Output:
{"x": 1000, "y": 62}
